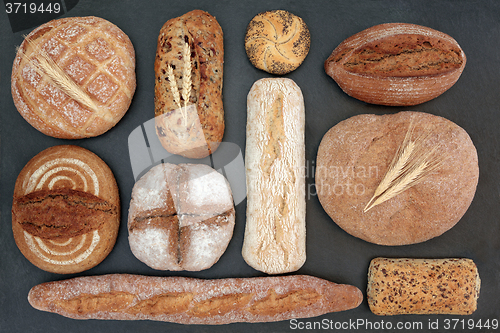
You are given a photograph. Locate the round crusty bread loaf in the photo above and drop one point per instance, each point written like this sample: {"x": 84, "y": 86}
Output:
{"x": 277, "y": 41}
{"x": 66, "y": 210}
{"x": 181, "y": 217}
{"x": 354, "y": 156}
{"x": 74, "y": 77}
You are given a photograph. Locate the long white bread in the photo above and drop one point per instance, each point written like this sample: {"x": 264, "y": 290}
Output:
{"x": 193, "y": 301}
{"x": 275, "y": 232}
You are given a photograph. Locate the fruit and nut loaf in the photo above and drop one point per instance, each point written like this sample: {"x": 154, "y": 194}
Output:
{"x": 188, "y": 87}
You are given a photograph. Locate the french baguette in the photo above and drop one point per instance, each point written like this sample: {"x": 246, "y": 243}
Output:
{"x": 193, "y": 301}
{"x": 275, "y": 232}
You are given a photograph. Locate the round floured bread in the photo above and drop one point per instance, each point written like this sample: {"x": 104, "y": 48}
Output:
{"x": 181, "y": 217}
{"x": 74, "y": 77}
{"x": 354, "y": 157}
{"x": 66, "y": 210}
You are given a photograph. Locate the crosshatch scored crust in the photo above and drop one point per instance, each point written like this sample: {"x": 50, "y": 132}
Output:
{"x": 99, "y": 59}
{"x": 354, "y": 156}
{"x": 194, "y": 301}
{"x": 189, "y": 114}
{"x": 66, "y": 210}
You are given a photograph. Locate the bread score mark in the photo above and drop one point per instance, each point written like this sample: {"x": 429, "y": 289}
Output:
{"x": 410, "y": 165}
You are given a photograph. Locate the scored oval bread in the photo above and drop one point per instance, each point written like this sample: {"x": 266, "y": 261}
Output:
{"x": 65, "y": 210}
{"x": 396, "y": 64}
{"x": 189, "y": 114}
{"x": 355, "y": 155}
{"x": 275, "y": 231}
{"x": 193, "y": 301}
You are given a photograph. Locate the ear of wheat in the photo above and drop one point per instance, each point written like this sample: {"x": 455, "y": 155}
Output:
{"x": 411, "y": 163}
{"x": 46, "y": 66}
{"x": 186, "y": 82}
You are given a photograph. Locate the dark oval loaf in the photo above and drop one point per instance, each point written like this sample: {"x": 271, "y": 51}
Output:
{"x": 189, "y": 115}
{"x": 396, "y": 64}
{"x": 65, "y": 210}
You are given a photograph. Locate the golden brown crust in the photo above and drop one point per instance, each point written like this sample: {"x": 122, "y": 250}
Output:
{"x": 96, "y": 55}
{"x": 194, "y": 301}
{"x": 194, "y": 127}
{"x": 354, "y": 156}
{"x": 277, "y": 41}
{"x": 66, "y": 210}
{"x": 423, "y": 286}
{"x": 396, "y": 64}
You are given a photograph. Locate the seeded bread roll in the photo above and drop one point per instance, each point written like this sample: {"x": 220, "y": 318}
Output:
{"x": 66, "y": 210}
{"x": 189, "y": 114}
{"x": 193, "y": 301}
{"x": 277, "y": 41}
{"x": 423, "y": 286}
{"x": 181, "y": 217}
{"x": 275, "y": 231}
{"x": 74, "y": 77}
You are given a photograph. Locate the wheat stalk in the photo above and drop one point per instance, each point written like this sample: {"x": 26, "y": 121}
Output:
{"x": 411, "y": 163}
{"x": 186, "y": 74}
{"x": 173, "y": 86}
{"x": 45, "y": 66}
{"x": 186, "y": 82}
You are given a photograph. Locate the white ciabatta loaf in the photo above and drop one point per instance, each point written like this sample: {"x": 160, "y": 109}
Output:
{"x": 275, "y": 232}
{"x": 194, "y": 301}
{"x": 181, "y": 217}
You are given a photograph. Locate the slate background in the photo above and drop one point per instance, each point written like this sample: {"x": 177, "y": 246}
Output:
{"x": 473, "y": 103}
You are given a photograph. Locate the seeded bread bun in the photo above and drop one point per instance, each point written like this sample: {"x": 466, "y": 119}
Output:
{"x": 181, "y": 217}
{"x": 74, "y": 77}
{"x": 277, "y": 41}
{"x": 354, "y": 157}
{"x": 66, "y": 210}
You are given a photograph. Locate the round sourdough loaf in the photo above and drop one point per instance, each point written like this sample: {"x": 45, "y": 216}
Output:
{"x": 74, "y": 77}
{"x": 353, "y": 166}
{"x": 181, "y": 217}
{"x": 277, "y": 41}
{"x": 66, "y": 210}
